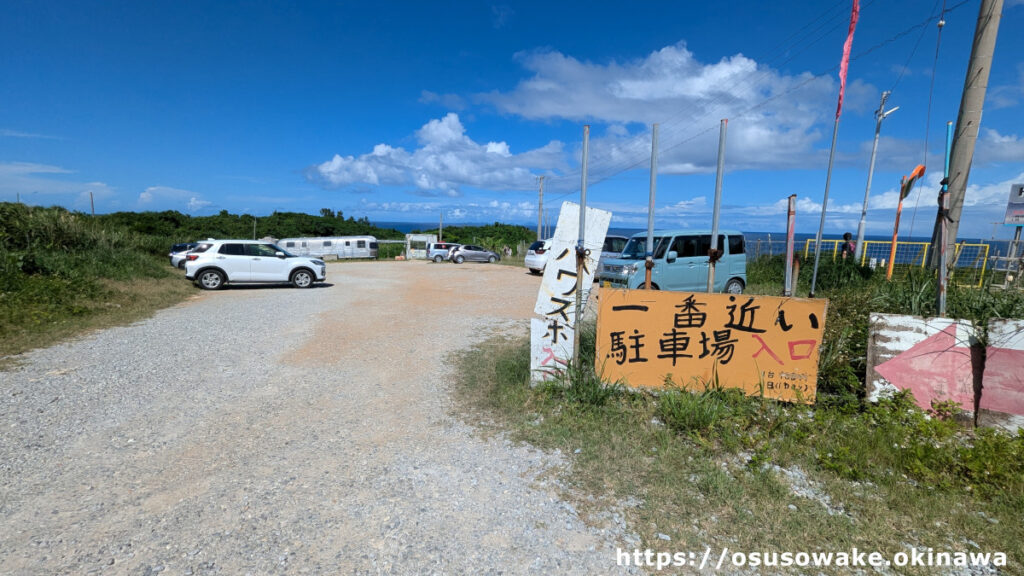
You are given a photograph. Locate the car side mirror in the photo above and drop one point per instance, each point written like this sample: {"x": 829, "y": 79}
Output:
{"x": 671, "y": 257}
{"x": 279, "y": 254}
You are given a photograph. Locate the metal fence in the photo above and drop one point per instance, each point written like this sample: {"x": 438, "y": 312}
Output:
{"x": 969, "y": 260}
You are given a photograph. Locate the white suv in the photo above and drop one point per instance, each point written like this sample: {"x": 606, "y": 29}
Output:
{"x": 214, "y": 263}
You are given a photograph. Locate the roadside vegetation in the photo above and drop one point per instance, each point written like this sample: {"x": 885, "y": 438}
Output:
{"x": 719, "y": 469}
{"x": 62, "y": 272}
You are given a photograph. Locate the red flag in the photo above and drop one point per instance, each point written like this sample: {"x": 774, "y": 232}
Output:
{"x": 846, "y": 55}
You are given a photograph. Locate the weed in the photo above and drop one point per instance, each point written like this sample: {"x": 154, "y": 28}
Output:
{"x": 705, "y": 463}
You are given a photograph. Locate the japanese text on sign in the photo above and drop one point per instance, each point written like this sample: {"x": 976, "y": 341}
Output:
{"x": 761, "y": 344}
{"x": 552, "y": 335}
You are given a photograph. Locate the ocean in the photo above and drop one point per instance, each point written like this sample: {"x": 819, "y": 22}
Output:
{"x": 759, "y": 242}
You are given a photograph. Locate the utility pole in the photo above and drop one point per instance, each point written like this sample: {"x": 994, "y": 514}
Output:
{"x": 540, "y": 210}
{"x": 580, "y": 255}
{"x": 92, "y": 205}
{"x": 713, "y": 253}
{"x": 649, "y": 257}
{"x": 968, "y": 119}
{"x": 879, "y": 116}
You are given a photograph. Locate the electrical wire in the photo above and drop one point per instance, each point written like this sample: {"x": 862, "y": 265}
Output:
{"x": 677, "y": 139}
{"x": 667, "y": 126}
{"x": 928, "y": 115}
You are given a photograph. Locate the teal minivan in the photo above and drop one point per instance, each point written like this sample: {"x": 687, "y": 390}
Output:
{"x": 680, "y": 262}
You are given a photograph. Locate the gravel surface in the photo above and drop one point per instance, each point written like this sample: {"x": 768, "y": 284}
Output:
{"x": 284, "y": 431}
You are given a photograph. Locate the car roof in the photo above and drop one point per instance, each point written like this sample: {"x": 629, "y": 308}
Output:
{"x": 684, "y": 231}
{"x": 211, "y": 240}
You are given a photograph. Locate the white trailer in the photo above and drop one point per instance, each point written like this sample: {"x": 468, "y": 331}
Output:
{"x": 340, "y": 246}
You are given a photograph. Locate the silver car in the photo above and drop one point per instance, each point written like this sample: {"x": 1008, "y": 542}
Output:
{"x": 470, "y": 253}
{"x": 612, "y": 248}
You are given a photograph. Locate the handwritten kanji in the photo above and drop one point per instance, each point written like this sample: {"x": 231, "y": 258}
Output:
{"x": 746, "y": 319}
{"x": 689, "y": 316}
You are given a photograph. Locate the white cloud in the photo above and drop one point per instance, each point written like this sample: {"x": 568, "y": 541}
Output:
{"x": 449, "y": 101}
{"x": 467, "y": 210}
{"x": 995, "y": 147}
{"x": 687, "y": 97}
{"x": 446, "y": 160}
{"x": 166, "y": 197}
{"x": 27, "y": 135}
{"x": 48, "y": 184}
{"x": 195, "y": 204}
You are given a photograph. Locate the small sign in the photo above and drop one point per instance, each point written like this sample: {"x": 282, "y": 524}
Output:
{"x": 1015, "y": 207}
{"x": 760, "y": 344}
{"x": 552, "y": 334}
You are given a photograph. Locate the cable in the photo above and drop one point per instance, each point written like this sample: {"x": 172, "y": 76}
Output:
{"x": 614, "y": 170}
{"x": 750, "y": 81}
{"x": 928, "y": 116}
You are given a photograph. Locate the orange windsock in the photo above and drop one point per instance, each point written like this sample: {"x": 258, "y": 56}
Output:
{"x": 907, "y": 184}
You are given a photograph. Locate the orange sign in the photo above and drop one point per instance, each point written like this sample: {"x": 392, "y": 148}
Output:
{"x": 762, "y": 344}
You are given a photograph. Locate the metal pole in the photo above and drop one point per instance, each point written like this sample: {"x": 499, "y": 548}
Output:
{"x": 940, "y": 293}
{"x": 788, "y": 289}
{"x": 440, "y": 228}
{"x": 895, "y": 233}
{"x": 969, "y": 119}
{"x": 92, "y": 205}
{"x": 253, "y": 227}
{"x": 1013, "y": 262}
{"x": 824, "y": 207}
{"x": 649, "y": 261}
{"x": 879, "y": 116}
{"x": 540, "y": 210}
{"x": 713, "y": 249}
{"x": 580, "y": 253}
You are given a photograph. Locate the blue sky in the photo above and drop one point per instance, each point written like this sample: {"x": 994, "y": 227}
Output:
{"x": 402, "y": 111}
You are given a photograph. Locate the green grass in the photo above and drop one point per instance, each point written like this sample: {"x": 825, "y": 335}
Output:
{"x": 63, "y": 273}
{"x": 706, "y": 466}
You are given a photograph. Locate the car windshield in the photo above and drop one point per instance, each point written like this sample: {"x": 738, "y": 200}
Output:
{"x": 636, "y": 248}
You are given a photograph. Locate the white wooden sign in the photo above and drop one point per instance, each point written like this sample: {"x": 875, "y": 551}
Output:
{"x": 552, "y": 333}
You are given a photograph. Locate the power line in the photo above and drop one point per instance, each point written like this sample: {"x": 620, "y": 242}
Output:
{"x": 928, "y": 115}
{"x": 625, "y": 166}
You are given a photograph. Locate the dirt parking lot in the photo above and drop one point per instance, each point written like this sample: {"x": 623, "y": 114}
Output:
{"x": 283, "y": 431}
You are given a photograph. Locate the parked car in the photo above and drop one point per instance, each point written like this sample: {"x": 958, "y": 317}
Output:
{"x": 537, "y": 256}
{"x": 680, "y": 262}
{"x": 214, "y": 263}
{"x": 438, "y": 251}
{"x": 177, "y": 253}
{"x": 612, "y": 248}
{"x": 464, "y": 253}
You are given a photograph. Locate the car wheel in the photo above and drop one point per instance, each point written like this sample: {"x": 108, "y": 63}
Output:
{"x": 181, "y": 265}
{"x": 459, "y": 260}
{"x": 302, "y": 278}
{"x": 534, "y": 271}
{"x": 438, "y": 259}
{"x": 211, "y": 280}
{"x": 643, "y": 286}
{"x": 491, "y": 259}
{"x": 734, "y": 286}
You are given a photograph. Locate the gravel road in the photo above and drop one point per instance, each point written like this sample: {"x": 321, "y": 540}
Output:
{"x": 283, "y": 431}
